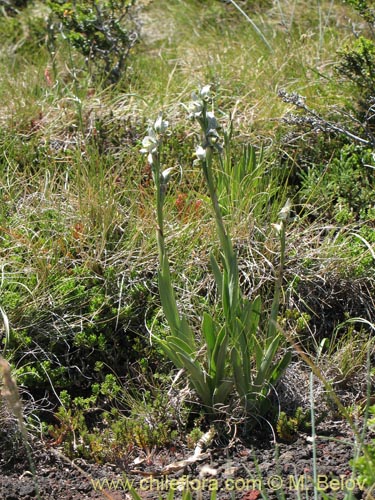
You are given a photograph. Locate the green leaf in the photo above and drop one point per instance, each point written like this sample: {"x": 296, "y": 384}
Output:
{"x": 186, "y": 334}
{"x": 168, "y": 303}
{"x": 258, "y": 352}
{"x": 226, "y": 298}
{"x": 281, "y": 367}
{"x": 234, "y": 290}
{"x": 180, "y": 345}
{"x": 241, "y": 382}
{"x": 194, "y": 368}
{"x": 252, "y": 312}
{"x": 220, "y": 356}
{"x": 217, "y": 273}
{"x": 245, "y": 343}
{"x": 170, "y": 353}
{"x": 264, "y": 373}
{"x": 174, "y": 349}
{"x": 222, "y": 392}
{"x": 209, "y": 332}
{"x": 199, "y": 379}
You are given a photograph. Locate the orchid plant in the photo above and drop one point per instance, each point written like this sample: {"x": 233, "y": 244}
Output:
{"x": 242, "y": 353}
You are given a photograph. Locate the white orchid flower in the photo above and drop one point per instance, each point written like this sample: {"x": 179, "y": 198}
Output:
{"x": 150, "y": 143}
{"x": 285, "y": 211}
{"x": 160, "y": 125}
{"x": 200, "y": 153}
{"x": 165, "y": 175}
{"x": 277, "y": 227}
{"x": 205, "y": 92}
{"x": 195, "y": 107}
{"x": 212, "y": 137}
{"x": 150, "y": 159}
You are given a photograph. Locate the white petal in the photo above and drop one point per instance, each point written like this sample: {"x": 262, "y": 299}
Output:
{"x": 166, "y": 174}
{"x": 205, "y": 92}
{"x": 149, "y": 144}
{"x": 160, "y": 125}
{"x": 200, "y": 153}
{"x": 285, "y": 211}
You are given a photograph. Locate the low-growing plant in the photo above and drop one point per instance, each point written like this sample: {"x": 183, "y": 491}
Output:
{"x": 356, "y": 64}
{"x": 343, "y": 187}
{"x": 22, "y": 29}
{"x": 242, "y": 352}
{"x": 364, "y": 465}
{"x": 288, "y": 426}
{"x": 49, "y": 346}
{"x": 113, "y": 419}
{"x": 193, "y": 437}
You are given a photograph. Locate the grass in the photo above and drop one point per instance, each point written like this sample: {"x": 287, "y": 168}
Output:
{"x": 78, "y": 255}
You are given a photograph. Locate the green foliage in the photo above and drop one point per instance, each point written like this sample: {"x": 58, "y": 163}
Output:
{"x": 365, "y": 9}
{"x": 343, "y": 188}
{"x": 23, "y": 32}
{"x": 101, "y": 30}
{"x": 194, "y": 436}
{"x": 288, "y": 426}
{"x": 76, "y": 307}
{"x": 54, "y": 347}
{"x": 357, "y": 63}
{"x": 364, "y": 465}
{"x": 295, "y": 320}
{"x": 243, "y": 182}
{"x": 149, "y": 423}
{"x": 11, "y": 29}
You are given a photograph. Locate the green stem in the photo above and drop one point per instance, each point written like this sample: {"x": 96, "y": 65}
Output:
{"x": 231, "y": 295}
{"x": 223, "y": 236}
{"x": 279, "y": 283}
{"x": 159, "y": 206}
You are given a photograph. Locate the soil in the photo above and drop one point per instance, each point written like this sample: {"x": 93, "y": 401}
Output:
{"x": 286, "y": 469}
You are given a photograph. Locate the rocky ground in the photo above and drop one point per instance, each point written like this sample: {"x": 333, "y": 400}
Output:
{"x": 239, "y": 471}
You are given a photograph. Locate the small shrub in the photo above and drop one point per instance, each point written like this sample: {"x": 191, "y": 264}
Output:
{"x": 50, "y": 345}
{"x": 102, "y": 31}
{"x": 193, "y": 437}
{"x": 365, "y": 8}
{"x": 357, "y": 63}
{"x": 23, "y": 32}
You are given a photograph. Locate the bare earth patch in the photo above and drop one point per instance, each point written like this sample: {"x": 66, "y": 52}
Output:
{"x": 236, "y": 469}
